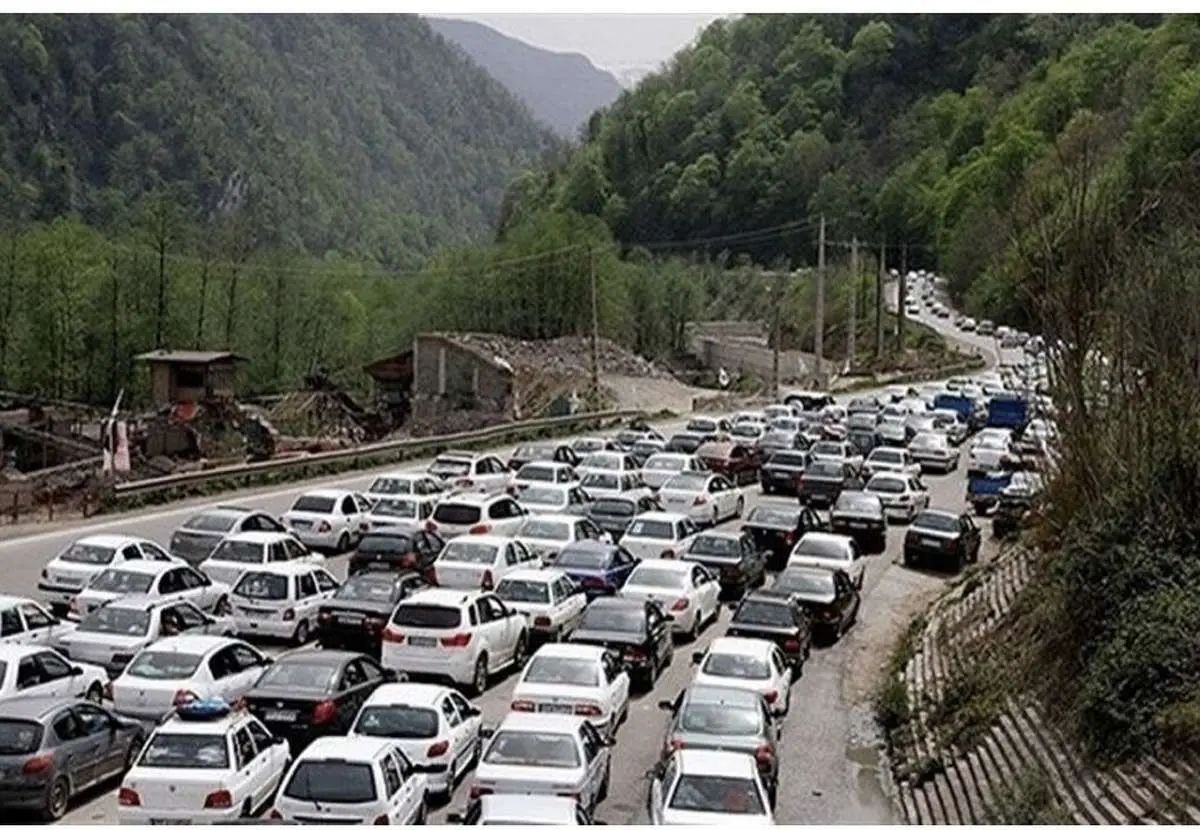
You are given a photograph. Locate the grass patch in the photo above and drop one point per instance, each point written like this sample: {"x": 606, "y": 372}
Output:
{"x": 892, "y": 706}
{"x": 971, "y": 701}
{"x": 1026, "y": 799}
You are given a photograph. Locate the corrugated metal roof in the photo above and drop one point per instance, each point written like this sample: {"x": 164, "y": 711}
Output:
{"x": 184, "y": 356}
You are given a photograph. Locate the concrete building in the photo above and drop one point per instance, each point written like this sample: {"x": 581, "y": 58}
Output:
{"x": 451, "y": 373}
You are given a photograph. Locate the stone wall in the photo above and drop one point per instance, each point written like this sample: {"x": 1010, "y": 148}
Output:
{"x": 449, "y": 377}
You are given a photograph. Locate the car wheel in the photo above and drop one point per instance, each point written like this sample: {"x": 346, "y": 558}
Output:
{"x": 301, "y": 635}
{"x": 57, "y": 798}
{"x": 479, "y": 678}
{"x": 910, "y": 561}
{"x": 95, "y": 694}
{"x": 519, "y": 652}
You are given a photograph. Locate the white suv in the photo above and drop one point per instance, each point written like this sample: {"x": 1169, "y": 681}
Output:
{"x": 468, "y": 472}
{"x": 280, "y": 600}
{"x": 464, "y": 635}
{"x": 476, "y": 513}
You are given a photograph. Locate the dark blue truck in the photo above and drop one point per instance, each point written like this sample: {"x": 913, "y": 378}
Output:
{"x": 1008, "y": 413}
{"x": 984, "y": 489}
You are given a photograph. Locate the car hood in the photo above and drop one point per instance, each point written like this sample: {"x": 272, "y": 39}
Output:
{"x": 532, "y": 779}
{"x": 685, "y": 817}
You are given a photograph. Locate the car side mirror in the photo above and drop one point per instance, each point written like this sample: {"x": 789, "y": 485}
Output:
{"x": 76, "y": 671}
{"x": 697, "y": 657}
{"x": 474, "y": 712}
{"x": 454, "y": 818}
{"x": 486, "y": 731}
{"x": 608, "y": 740}
{"x": 389, "y": 675}
{"x": 278, "y": 739}
{"x": 667, "y": 705}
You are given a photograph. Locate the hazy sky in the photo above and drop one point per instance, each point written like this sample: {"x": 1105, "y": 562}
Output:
{"x": 610, "y": 40}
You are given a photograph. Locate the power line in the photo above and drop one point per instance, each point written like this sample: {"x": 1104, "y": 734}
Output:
{"x": 776, "y": 230}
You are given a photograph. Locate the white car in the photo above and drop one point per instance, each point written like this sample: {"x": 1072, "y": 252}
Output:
{"x": 664, "y": 465}
{"x": 709, "y": 787}
{"x": 246, "y": 551}
{"x": 329, "y": 519}
{"x": 179, "y": 670}
{"x": 466, "y": 472}
{"x": 686, "y": 590}
{"x": 113, "y": 634}
{"x": 547, "y": 535}
{"x": 891, "y": 460}
{"x": 548, "y": 499}
{"x": 435, "y": 727}
{"x": 522, "y": 810}
{"x": 542, "y": 472}
{"x": 549, "y": 598}
{"x": 24, "y": 622}
{"x": 658, "y": 534}
{"x": 776, "y": 410}
{"x": 476, "y": 513}
{"x": 747, "y": 663}
{"x": 933, "y": 451}
{"x": 748, "y": 433}
{"x": 951, "y": 423}
{"x": 599, "y": 484}
{"x": 280, "y": 600}
{"x": 988, "y": 452}
{"x": 471, "y": 562}
{"x": 903, "y": 495}
{"x": 152, "y": 579}
{"x": 841, "y": 452}
{"x": 352, "y": 780}
{"x": 404, "y": 484}
{"x": 829, "y": 550}
{"x": 410, "y": 511}
{"x": 575, "y": 679}
{"x": 466, "y": 636}
{"x": 196, "y": 538}
{"x": 705, "y": 498}
{"x": 38, "y": 671}
{"x": 207, "y": 764}
{"x": 610, "y": 461}
{"x": 544, "y": 754}
{"x": 705, "y": 425}
{"x": 893, "y": 429}
{"x": 70, "y": 571}
{"x": 749, "y": 416}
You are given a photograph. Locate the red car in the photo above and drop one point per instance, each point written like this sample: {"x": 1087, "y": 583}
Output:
{"x": 738, "y": 463}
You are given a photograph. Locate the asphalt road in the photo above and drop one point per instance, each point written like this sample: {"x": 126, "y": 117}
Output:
{"x": 829, "y": 751}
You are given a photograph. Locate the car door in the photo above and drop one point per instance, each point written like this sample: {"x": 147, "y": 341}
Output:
{"x": 595, "y": 755}
{"x": 190, "y": 619}
{"x": 196, "y": 587}
{"x": 623, "y": 563}
{"x": 617, "y": 680}
{"x": 570, "y": 603}
{"x": 270, "y": 755}
{"x": 12, "y": 629}
{"x": 345, "y": 516}
{"x": 101, "y": 739}
{"x": 326, "y": 584}
{"x": 77, "y": 753}
{"x": 406, "y": 802}
{"x": 58, "y": 677}
{"x": 510, "y": 624}
{"x": 658, "y": 631}
{"x": 40, "y": 627}
{"x": 247, "y": 666}
{"x": 706, "y": 588}
{"x": 465, "y": 736}
{"x": 492, "y": 627}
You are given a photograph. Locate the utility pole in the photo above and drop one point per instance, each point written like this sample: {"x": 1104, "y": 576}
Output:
{"x": 902, "y": 294}
{"x": 853, "y": 330}
{"x": 879, "y": 298}
{"x": 775, "y": 344}
{"x": 595, "y": 329}
{"x": 819, "y": 338}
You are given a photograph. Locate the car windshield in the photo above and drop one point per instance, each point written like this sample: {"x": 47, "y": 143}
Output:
{"x": 122, "y": 582}
{"x": 211, "y": 522}
{"x": 764, "y": 613}
{"x": 19, "y": 737}
{"x": 828, "y": 448}
{"x": 261, "y": 585}
{"x": 589, "y": 559}
{"x": 717, "y": 794}
{"x": 600, "y": 461}
{"x": 543, "y": 529}
{"x": 397, "y": 508}
{"x": 687, "y": 482}
{"x": 335, "y": 782}
{"x": 130, "y": 622}
{"x": 651, "y": 529}
{"x": 701, "y": 425}
{"x": 720, "y": 719}
{"x": 88, "y": 554}
{"x": 543, "y": 495}
{"x": 471, "y": 553}
{"x": 298, "y": 675}
{"x": 371, "y": 589}
{"x": 818, "y": 470}
{"x": 186, "y": 751}
{"x": 535, "y": 472}
{"x": 773, "y": 516}
{"x": 523, "y": 590}
{"x": 567, "y": 671}
{"x": 613, "y": 507}
{"x": 743, "y": 666}
{"x": 232, "y": 550}
{"x": 426, "y": 616}
{"x": 314, "y": 504}
{"x": 602, "y": 481}
{"x": 787, "y": 459}
{"x": 657, "y": 578}
{"x": 719, "y": 546}
{"x": 388, "y": 486}
{"x": 397, "y": 720}
{"x": 163, "y": 665}
{"x": 936, "y": 521}
{"x": 795, "y": 581}
{"x": 607, "y": 618}
{"x": 666, "y": 463}
{"x": 879, "y": 484}
{"x": 532, "y": 749}
{"x": 456, "y": 514}
{"x": 820, "y": 548}
{"x": 887, "y": 456}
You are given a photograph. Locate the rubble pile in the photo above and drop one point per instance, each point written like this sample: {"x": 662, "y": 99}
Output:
{"x": 562, "y": 355}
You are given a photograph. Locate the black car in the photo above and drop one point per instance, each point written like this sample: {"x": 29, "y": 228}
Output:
{"x": 355, "y": 616}
{"x": 615, "y": 513}
{"x": 777, "y": 439}
{"x": 627, "y": 438}
{"x": 732, "y": 556}
{"x": 828, "y": 595}
{"x": 942, "y": 535}
{"x": 396, "y": 549}
{"x": 781, "y": 472}
{"x": 809, "y": 401}
{"x": 823, "y": 481}
{"x": 308, "y": 694}
{"x": 687, "y": 442}
{"x": 776, "y": 529}
{"x": 780, "y": 619}
{"x": 646, "y": 447}
{"x": 639, "y": 630}
{"x": 859, "y": 515}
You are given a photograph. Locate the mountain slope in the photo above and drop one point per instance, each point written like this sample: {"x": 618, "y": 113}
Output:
{"x": 560, "y": 89}
{"x": 363, "y": 134}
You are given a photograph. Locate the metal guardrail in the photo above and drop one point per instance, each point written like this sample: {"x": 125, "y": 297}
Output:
{"x": 508, "y": 430}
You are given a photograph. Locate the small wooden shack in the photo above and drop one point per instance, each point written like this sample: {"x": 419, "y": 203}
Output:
{"x": 393, "y": 380}
{"x": 190, "y": 377}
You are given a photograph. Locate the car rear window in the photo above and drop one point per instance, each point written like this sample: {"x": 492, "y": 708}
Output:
{"x": 721, "y": 546}
{"x": 701, "y": 425}
{"x": 212, "y": 522}
{"x": 651, "y": 529}
{"x": 176, "y": 751}
{"x": 366, "y": 589}
{"x": 19, "y": 737}
{"x": 567, "y": 671}
{"x": 613, "y": 507}
{"x": 235, "y": 551}
{"x": 298, "y": 675}
{"x": 816, "y": 582}
{"x": 606, "y": 618}
{"x": 774, "y": 516}
{"x": 667, "y": 463}
{"x": 336, "y": 782}
{"x": 591, "y": 559}
{"x": 396, "y": 508}
{"x": 163, "y": 665}
{"x": 533, "y": 749}
{"x": 471, "y": 553}
{"x": 852, "y": 502}
{"x": 122, "y": 582}
{"x": 385, "y": 543}
{"x": 687, "y": 482}
{"x": 764, "y": 613}
{"x": 259, "y": 585}
{"x": 885, "y": 485}
{"x": 604, "y": 462}
{"x": 542, "y": 495}
{"x": 720, "y": 719}
{"x": 536, "y": 473}
{"x": 390, "y": 486}
{"x": 397, "y": 720}
{"x": 828, "y": 448}
{"x": 129, "y": 622}
{"x": 88, "y": 554}
{"x": 887, "y": 456}
{"x": 936, "y": 521}
{"x": 744, "y": 666}
{"x": 426, "y": 616}
{"x": 456, "y": 514}
{"x": 523, "y": 590}
{"x": 821, "y": 549}
{"x": 787, "y": 459}
{"x": 657, "y": 578}
{"x": 602, "y": 481}
{"x": 314, "y": 504}
{"x": 717, "y": 794}
{"x": 543, "y": 529}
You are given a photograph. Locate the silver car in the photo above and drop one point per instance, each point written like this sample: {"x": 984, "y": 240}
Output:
{"x": 199, "y": 536}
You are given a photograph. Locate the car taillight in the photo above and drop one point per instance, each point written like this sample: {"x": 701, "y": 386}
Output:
{"x": 374, "y": 622}
{"x": 323, "y": 527}
{"x": 699, "y": 500}
{"x": 764, "y": 756}
{"x": 390, "y": 636}
{"x": 522, "y": 706}
{"x": 218, "y": 800}
{"x": 431, "y": 526}
{"x": 383, "y": 819}
{"x": 324, "y": 618}
{"x": 479, "y": 530}
{"x": 541, "y": 621}
{"x": 437, "y": 750}
{"x": 464, "y": 482}
{"x": 38, "y": 764}
{"x": 458, "y": 640}
{"x": 324, "y": 712}
{"x": 183, "y": 697}
{"x": 675, "y": 743}
{"x": 791, "y": 646}
{"x": 680, "y": 604}
{"x": 408, "y": 560}
{"x": 128, "y": 797}
{"x": 478, "y": 791}
{"x": 771, "y": 696}
{"x": 488, "y": 581}
{"x": 668, "y": 554}
{"x": 289, "y": 614}
{"x": 588, "y": 710}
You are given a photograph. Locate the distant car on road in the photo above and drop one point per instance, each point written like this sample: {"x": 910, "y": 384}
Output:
{"x": 859, "y": 515}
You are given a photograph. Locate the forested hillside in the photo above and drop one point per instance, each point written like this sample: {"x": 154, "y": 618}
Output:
{"x": 366, "y": 135}
{"x": 561, "y": 90}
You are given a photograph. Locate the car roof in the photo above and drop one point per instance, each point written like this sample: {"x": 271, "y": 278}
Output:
{"x": 9, "y": 600}
{"x": 404, "y": 476}
{"x": 393, "y": 530}
{"x": 33, "y": 708}
{"x": 473, "y": 498}
{"x": 318, "y": 657}
{"x": 577, "y": 650}
{"x": 551, "y": 517}
{"x": 327, "y": 492}
{"x": 227, "y": 508}
{"x": 448, "y": 597}
{"x": 260, "y": 537}
{"x": 766, "y": 596}
{"x": 891, "y": 475}
{"x": 541, "y": 722}
{"x": 732, "y": 535}
{"x": 740, "y": 645}
{"x": 11, "y": 651}
{"x": 414, "y": 694}
{"x": 343, "y": 747}
{"x": 513, "y": 808}
{"x": 662, "y": 516}
{"x": 458, "y": 455}
{"x": 146, "y": 566}
{"x": 541, "y": 462}
{"x": 546, "y": 575}
{"x": 617, "y": 602}
{"x": 486, "y": 538}
{"x": 823, "y": 536}
{"x": 675, "y": 565}
{"x": 108, "y": 540}
{"x": 715, "y": 762}
{"x": 191, "y": 643}
{"x": 949, "y": 514}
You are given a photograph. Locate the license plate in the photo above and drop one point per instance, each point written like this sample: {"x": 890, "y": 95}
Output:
{"x": 355, "y": 619}
{"x": 858, "y": 525}
{"x": 556, "y": 708}
{"x": 302, "y": 525}
{"x": 422, "y": 642}
{"x": 280, "y": 715}
{"x": 931, "y": 543}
